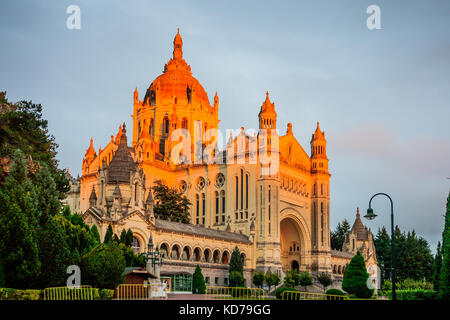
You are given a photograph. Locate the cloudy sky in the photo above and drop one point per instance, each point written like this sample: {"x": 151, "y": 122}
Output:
{"x": 382, "y": 96}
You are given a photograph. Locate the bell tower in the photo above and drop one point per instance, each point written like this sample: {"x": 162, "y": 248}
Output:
{"x": 320, "y": 202}
{"x": 268, "y": 249}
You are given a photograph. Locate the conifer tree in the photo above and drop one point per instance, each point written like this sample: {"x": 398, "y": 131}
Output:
{"x": 437, "y": 268}
{"x": 236, "y": 267}
{"x": 355, "y": 278}
{"x": 19, "y": 214}
{"x": 444, "y": 286}
{"x": 123, "y": 236}
{"x": 129, "y": 238}
{"x": 95, "y": 234}
{"x": 108, "y": 235}
{"x": 198, "y": 281}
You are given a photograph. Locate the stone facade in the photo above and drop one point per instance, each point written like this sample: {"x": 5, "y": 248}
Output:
{"x": 278, "y": 215}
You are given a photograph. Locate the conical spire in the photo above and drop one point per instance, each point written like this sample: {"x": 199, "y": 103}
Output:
{"x": 178, "y": 46}
{"x": 91, "y": 150}
{"x": 149, "y": 197}
{"x": 358, "y": 228}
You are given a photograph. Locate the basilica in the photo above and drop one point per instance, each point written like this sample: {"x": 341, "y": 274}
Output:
{"x": 273, "y": 205}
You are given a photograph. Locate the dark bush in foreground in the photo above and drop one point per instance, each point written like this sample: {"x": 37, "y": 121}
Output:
{"x": 335, "y": 292}
{"x": 279, "y": 291}
{"x": 417, "y": 294}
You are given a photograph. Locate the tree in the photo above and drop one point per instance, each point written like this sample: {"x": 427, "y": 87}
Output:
{"x": 170, "y": 203}
{"x": 258, "y": 279}
{"x": 305, "y": 279}
{"x": 129, "y": 238}
{"x": 382, "y": 243}
{"x": 22, "y": 127}
{"x": 236, "y": 262}
{"x": 444, "y": 286}
{"x": 292, "y": 278}
{"x": 338, "y": 236}
{"x": 236, "y": 279}
{"x": 355, "y": 278}
{"x": 19, "y": 251}
{"x": 123, "y": 236}
{"x": 95, "y": 234}
{"x": 54, "y": 255}
{"x": 272, "y": 279}
{"x": 325, "y": 280}
{"x": 103, "y": 266}
{"x": 236, "y": 266}
{"x": 198, "y": 281}
{"x": 108, "y": 235}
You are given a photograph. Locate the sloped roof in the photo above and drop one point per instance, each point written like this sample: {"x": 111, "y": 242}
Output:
{"x": 200, "y": 231}
{"x": 122, "y": 162}
{"x": 358, "y": 228}
{"x": 341, "y": 254}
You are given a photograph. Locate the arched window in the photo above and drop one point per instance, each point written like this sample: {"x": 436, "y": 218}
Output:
{"x": 206, "y": 255}
{"x": 197, "y": 208}
{"x": 135, "y": 245}
{"x": 151, "y": 127}
{"x": 246, "y": 192}
{"x": 225, "y": 257}
{"x": 243, "y": 258}
{"x": 197, "y": 254}
{"x": 184, "y": 123}
{"x": 175, "y": 254}
{"x": 217, "y": 206}
{"x": 164, "y": 250}
{"x": 237, "y": 193}
{"x": 216, "y": 256}
{"x": 186, "y": 255}
{"x": 203, "y": 208}
{"x": 166, "y": 125}
{"x": 136, "y": 192}
{"x": 222, "y": 195}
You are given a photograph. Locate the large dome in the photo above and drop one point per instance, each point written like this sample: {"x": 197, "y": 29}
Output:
{"x": 176, "y": 84}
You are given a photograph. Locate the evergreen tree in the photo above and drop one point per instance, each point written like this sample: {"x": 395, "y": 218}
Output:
{"x": 129, "y": 238}
{"x": 19, "y": 251}
{"x": 108, "y": 235}
{"x": 444, "y": 286}
{"x": 236, "y": 263}
{"x": 355, "y": 278}
{"x": 236, "y": 266}
{"x": 103, "y": 266}
{"x": 54, "y": 255}
{"x": 170, "y": 203}
{"x": 382, "y": 243}
{"x": 116, "y": 239}
{"x": 198, "y": 281}
{"x": 338, "y": 236}
{"x": 95, "y": 234}
{"x": 123, "y": 236}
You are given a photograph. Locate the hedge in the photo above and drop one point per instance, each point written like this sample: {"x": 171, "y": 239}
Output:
{"x": 335, "y": 292}
{"x": 414, "y": 294}
{"x": 29, "y": 294}
{"x": 17, "y": 294}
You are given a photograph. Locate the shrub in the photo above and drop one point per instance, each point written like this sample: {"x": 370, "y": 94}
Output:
{"x": 17, "y": 294}
{"x": 106, "y": 294}
{"x": 103, "y": 266}
{"x": 355, "y": 278}
{"x": 280, "y": 290}
{"x": 335, "y": 292}
{"x": 325, "y": 280}
{"x": 414, "y": 294}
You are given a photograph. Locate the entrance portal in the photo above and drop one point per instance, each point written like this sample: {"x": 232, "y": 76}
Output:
{"x": 292, "y": 244}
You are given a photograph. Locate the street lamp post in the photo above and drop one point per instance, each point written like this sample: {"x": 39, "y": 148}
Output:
{"x": 154, "y": 256}
{"x": 370, "y": 216}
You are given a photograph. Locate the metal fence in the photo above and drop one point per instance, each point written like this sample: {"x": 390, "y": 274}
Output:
{"x": 149, "y": 291}
{"x": 296, "y": 295}
{"x": 69, "y": 293}
{"x": 233, "y": 293}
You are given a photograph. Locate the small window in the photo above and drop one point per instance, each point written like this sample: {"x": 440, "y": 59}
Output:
{"x": 216, "y": 280}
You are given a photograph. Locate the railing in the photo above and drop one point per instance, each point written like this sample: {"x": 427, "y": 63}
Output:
{"x": 233, "y": 293}
{"x": 69, "y": 293}
{"x": 150, "y": 291}
{"x": 296, "y": 295}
